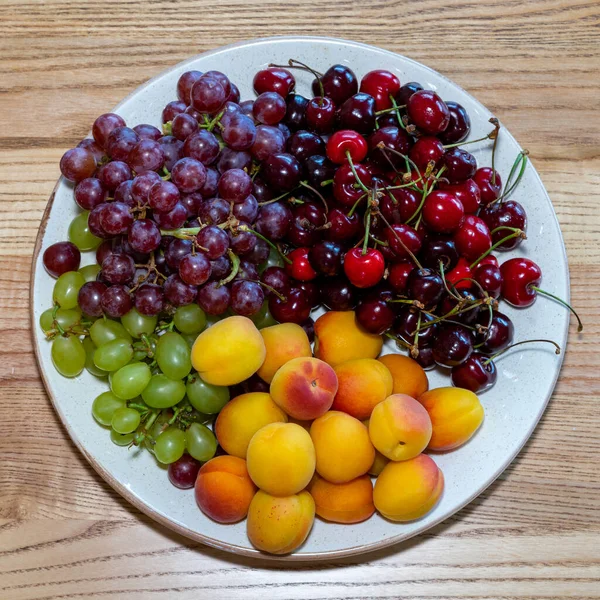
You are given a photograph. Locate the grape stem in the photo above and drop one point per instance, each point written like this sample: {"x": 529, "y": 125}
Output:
{"x": 268, "y": 241}
{"x": 235, "y": 267}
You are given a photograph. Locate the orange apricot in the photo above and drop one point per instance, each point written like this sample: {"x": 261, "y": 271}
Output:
{"x": 408, "y": 376}
{"x": 282, "y": 342}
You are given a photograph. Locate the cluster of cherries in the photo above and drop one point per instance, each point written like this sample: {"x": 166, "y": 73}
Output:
{"x": 359, "y": 198}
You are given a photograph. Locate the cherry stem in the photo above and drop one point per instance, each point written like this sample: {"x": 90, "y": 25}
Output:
{"x": 404, "y": 247}
{"x": 494, "y": 356}
{"x": 416, "y": 303}
{"x": 270, "y": 288}
{"x": 510, "y": 187}
{"x": 389, "y": 110}
{"x": 400, "y": 341}
{"x": 268, "y": 241}
{"x": 443, "y": 276}
{"x": 487, "y": 329}
{"x": 560, "y": 301}
{"x": 297, "y": 65}
{"x": 326, "y": 182}
{"x": 235, "y": 267}
{"x": 367, "y": 228}
{"x": 492, "y": 135}
{"x": 355, "y": 205}
{"x": 274, "y": 199}
{"x": 516, "y": 233}
{"x": 317, "y": 193}
{"x": 353, "y": 169}
{"x": 396, "y": 108}
{"x": 453, "y": 313}
{"x": 495, "y": 122}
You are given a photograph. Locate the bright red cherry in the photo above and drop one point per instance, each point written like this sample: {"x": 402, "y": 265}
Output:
{"x": 402, "y": 239}
{"x": 467, "y": 192}
{"x": 300, "y": 267}
{"x": 460, "y": 275}
{"x": 426, "y": 149}
{"x": 398, "y": 276}
{"x": 489, "y": 186}
{"x": 380, "y": 84}
{"x": 428, "y": 112}
{"x": 478, "y": 373}
{"x": 274, "y": 79}
{"x": 443, "y": 212}
{"x": 518, "y": 277}
{"x": 364, "y": 270}
{"x": 344, "y": 141}
{"x": 472, "y": 238}
{"x": 345, "y": 189}
{"x": 490, "y": 259}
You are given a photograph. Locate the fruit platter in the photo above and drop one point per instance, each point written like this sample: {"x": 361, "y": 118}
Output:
{"x": 299, "y": 298}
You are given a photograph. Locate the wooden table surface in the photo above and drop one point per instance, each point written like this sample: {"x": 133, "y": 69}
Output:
{"x": 64, "y": 533}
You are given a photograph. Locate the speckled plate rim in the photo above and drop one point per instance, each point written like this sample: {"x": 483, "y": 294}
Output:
{"x": 233, "y": 548}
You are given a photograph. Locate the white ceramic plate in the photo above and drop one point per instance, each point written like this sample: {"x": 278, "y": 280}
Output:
{"x": 513, "y": 407}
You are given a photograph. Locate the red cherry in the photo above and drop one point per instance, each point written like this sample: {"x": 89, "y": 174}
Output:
{"x": 428, "y": 112}
{"x": 380, "y": 84}
{"x": 490, "y": 191}
{"x": 460, "y": 274}
{"x": 426, "y": 149}
{"x": 490, "y": 259}
{"x": 518, "y": 275}
{"x": 342, "y": 227}
{"x": 443, "y": 212}
{"x": 300, "y": 267}
{"x": 478, "y": 373}
{"x": 398, "y": 206}
{"x": 274, "y": 79}
{"x": 344, "y": 141}
{"x": 398, "y": 276}
{"x": 320, "y": 114}
{"x": 345, "y": 189}
{"x": 364, "y": 270}
{"x": 472, "y": 238}
{"x": 402, "y": 238}
{"x": 467, "y": 192}
{"x": 488, "y": 276}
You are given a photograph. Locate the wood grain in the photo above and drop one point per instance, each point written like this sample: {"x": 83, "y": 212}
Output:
{"x": 64, "y": 533}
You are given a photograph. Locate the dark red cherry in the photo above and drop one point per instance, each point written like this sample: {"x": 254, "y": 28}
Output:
{"x": 338, "y": 294}
{"x": 307, "y": 222}
{"x": 320, "y": 114}
{"x": 398, "y": 276}
{"x": 380, "y": 84}
{"x": 376, "y": 316}
{"x": 489, "y": 185}
{"x": 406, "y": 91}
{"x": 426, "y": 149}
{"x": 518, "y": 275}
{"x": 304, "y": 144}
{"x": 459, "y": 126}
{"x": 466, "y": 191}
{"x": 398, "y": 206}
{"x": 345, "y": 190}
{"x": 442, "y": 212}
{"x": 472, "y": 238}
{"x": 505, "y": 214}
{"x": 436, "y": 250}
{"x": 277, "y": 278}
{"x": 343, "y": 227}
{"x": 477, "y": 374}
{"x": 428, "y": 112}
{"x": 407, "y": 323}
{"x": 467, "y": 317}
{"x": 426, "y": 286}
{"x": 364, "y": 270}
{"x": 402, "y": 239}
{"x": 295, "y": 116}
{"x": 282, "y": 172}
{"x": 312, "y": 292}
{"x": 499, "y": 335}
{"x": 274, "y": 79}
{"x": 358, "y": 113}
{"x": 392, "y": 138}
{"x": 326, "y": 258}
{"x": 453, "y": 345}
{"x": 425, "y": 358}
{"x": 319, "y": 169}
{"x": 339, "y": 83}
{"x": 489, "y": 278}
{"x": 460, "y": 165}
{"x": 294, "y": 309}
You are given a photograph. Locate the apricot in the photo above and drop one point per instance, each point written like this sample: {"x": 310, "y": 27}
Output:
{"x": 339, "y": 338}
{"x": 282, "y": 342}
{"x": 279, "y": 525}
{"x": 407, "y": 374}
{"x": 350, "y": 502}
{"x": 455, "y": 414}
{"x": 228, "y": 352}
{"x": 281, "y": 458}
{"x": 362, "y": 384}
{"x": 400, "y": 427}
{"x": 408, "y": 490}
{"x": 304, "y": 388}
{"x": 242, "y": 417}
{"x": 224, "y": 489}
{"x": 378, "y": 463}
{"x": 342, "y": 445}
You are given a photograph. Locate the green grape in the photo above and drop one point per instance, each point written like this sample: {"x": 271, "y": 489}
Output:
{"x": 170, "y": 445}
{"x": 125, "y": 420}
{"x": 90, "y": 272}
{"x": 129, "y": 381}
{"x": 200, "y": 442}
{"x": 68, "y": 355}
{"x": 113, "y": 355}
{"x": 66, "y": 288}
{"x": 205, "y": 397}
{"x": 90, "y": 349}
{"x": 104, "y": 407}
{"x": 190, "y": 338}
{"x": 163, "y": 392}
{"x": 137, "y": 324}
{"x": 121, "y": 440}
{"x": 173, "y": 355}
{"x": 80, "y": 234}
{"x": 273, "y": 260}
{"x": 65, "y": 318}
{"x": 190, "y": 319}
{"x": 263, "y": 318}
{"x": 105, "y": 330}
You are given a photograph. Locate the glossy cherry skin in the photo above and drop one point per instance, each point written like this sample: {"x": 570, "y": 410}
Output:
{"x": 295, "y": 115}
{"x": 339, "y": 83}
{"x": 460, "y": 165}
{"x": 443, "y": 212}
{"x": 342, "y": 227}
{"x": 376, "y": 316}
{"x": 304, "y": 144}
{"x": 274, "y": 79}
{"x": 425, "y": 150}
{"x": 499, "y": 335}
{"x": 320, "y": 114}
{"x": 459, "y": 276}
{"x": 407, "y": 322}
{"x": 401, "y": 240}
{"x": 398, "y": 206}
{"x": 459, "y": 126}
{"x": 338, "y": 294}
{"x": 406, "y": 91}
{"x": 489, "y": 190}
{"x": 300, "y": 267}
{"x": 306, "y": 227}
{"x": 453, "y": 345}
{"x": 380, "y": 84}
{"x": 518, "y": 275}
{"x": 505, "y": 214}
{"x": 392, "y": 138}
{"x": 282, "y": 172}
{"x": 489, "y": 278}
{"x": 319, "y": 169}
{"x": 358, "y": 113}
{"x": 468, "y": 317}
{"x": 294, "y": 309}
{"x": 312, "y": 292}
{"x": 398, "y": 276}
{"x": 478, "y": 373}
{"x": 426, "y": 286}
{"x": 428, "y": 112}
{"x": 343, "y": 141}
{"x": 438, "y": 249}
{"x": 326, "y": 258}
{"x": 425, "y": 358}
{"x": 364, "y": 270}
{"x": 467, "y": 192}
{"x": 472, "y": 238}
{"x": 345, "y": 190}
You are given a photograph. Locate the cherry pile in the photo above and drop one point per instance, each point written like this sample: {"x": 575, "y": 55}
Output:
{"x": 359, "y": 198}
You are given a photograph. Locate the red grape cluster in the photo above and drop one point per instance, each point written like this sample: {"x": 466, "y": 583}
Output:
{"x": 359, "y": 198}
